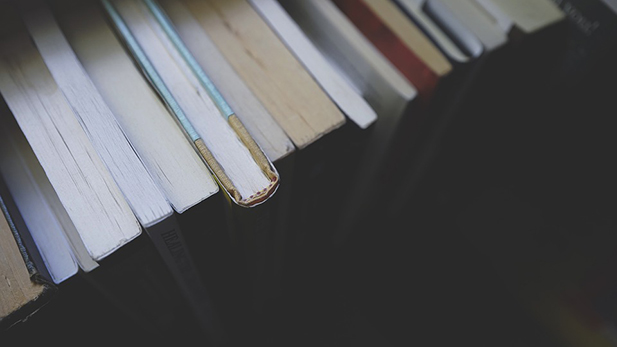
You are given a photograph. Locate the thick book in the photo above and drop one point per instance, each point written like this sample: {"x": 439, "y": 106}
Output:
{"x": 94, "y": 202}
{"x": 261, "y": 125}
{"x": 358, "y": 130}
{"x": 468, "y": 21}
{"x": 246, "y": 175}
{"x": 385, "y": 89}
{"x": 429, "y": 70}
{"x": 389, "y": 29}
{"x": 141, "y": 197}
{"x": 445, "y": 37}
{"x": 137, "y": 281}
{"x": 507, "y": 67}
{"x": 31, "y": 192}
{"x": 339, "y": 90}
{"x": 26, "y": 286}
{"x": 288, "y": 91}
{"x": 467, "y": 55}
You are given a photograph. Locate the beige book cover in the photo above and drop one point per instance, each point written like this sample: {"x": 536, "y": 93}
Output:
{"x": 284, "y": 87}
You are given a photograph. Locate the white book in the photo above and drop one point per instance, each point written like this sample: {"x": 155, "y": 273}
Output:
{"x": 259, "y": 122}
{"x": 248, "y": 179}
{"x": 160, "y": 143}
{"x": 85, "y": 187}
{"x": 376, "y": 79}
{"x": 142, "y": 194}
{"x": 45, "y": 228}
{"x": 343, "y": 95}
{"x": 472, "y": 16}
{"x": 353, "y": 55}
{"x": 472, "y": 48}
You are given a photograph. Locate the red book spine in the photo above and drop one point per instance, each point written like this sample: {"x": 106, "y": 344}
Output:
{"x": 391, "y": 46}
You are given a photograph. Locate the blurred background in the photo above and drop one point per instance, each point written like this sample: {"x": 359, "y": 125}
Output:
{"x": 509, "y": 233}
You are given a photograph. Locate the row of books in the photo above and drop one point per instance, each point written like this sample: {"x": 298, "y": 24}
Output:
{"x": 210, "y": 137}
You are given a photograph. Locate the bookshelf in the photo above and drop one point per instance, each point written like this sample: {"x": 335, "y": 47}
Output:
{"x": 491, "y": 221}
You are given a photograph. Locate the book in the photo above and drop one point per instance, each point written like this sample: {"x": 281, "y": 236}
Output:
{"x": 446, "y": 38}
{"x": 373, "y": 76}
{"x": 91, "y": 197}
{"x": 389, "y": 29}
{"x": 26, "y": 285}
{"x": 244, "y": 172}
{"x": 96, "y": 118}
{"x": 114, "y": 289}
{"x": 467, "y": 56}
{"x": 359, "y": 113}
{"x": 259, "y": 123}
{"x": 346, "y": 98}
{"x": 18, "y": 150}
{"x": 236, "y": 160}
{"x": 469, "y": 22}
{"x": 291, "y": 95}
{"x": 428, "y": 69}
{"x": 176, "y": 168}
{"x": 317, "y": 119}
{"x": 351, "y": 54}
{"x": 161, "y": 231}
{"x": 47, "y": 231}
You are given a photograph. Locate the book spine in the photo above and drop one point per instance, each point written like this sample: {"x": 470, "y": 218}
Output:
{"x": 168, "y": 240}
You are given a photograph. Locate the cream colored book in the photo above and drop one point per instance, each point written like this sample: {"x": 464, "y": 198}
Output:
{"x": 468, "y": 50}
{"x": 528, "y": 16}
{"x": 339, "y": 90}
{"x": 259, "y": 122}
{"x": 160, "y": 143}
{"x": 85, "y": 187}
{"x": 272, "y": 73}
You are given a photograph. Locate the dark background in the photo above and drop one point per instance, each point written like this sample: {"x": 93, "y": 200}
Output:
{"x": 524, "y": 172}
